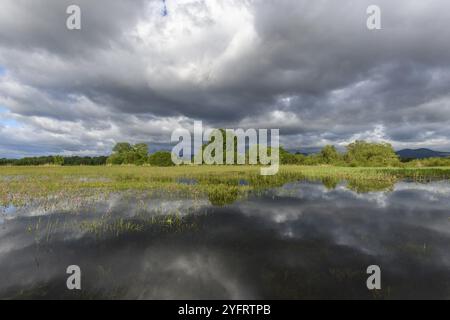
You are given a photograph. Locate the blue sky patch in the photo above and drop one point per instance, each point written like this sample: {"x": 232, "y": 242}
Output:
{"x": 5, "y": 120}
{"x": 9, "y": 123}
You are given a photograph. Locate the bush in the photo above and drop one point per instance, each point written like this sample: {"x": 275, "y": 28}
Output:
{"x": 161, "y": 159}
{"x": 365, "y": 154}
{"x": 58, "y": 160}
{"x": 125, "y": 153}
{"x": 430, "y": 162}
{"x": 287, "y": 157}
{"x": 330, "y": 155}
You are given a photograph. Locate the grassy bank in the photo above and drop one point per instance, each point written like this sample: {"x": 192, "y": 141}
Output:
{"x": 221, "y": 184}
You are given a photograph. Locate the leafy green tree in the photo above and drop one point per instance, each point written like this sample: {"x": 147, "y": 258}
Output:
{"x": 140, "y": 151}
{"x": 161, "y": 159}
{"x": 300, "y": 159}
{"x": 313, "y": 160}
{"x": 286, "y": 157}
{"x": 330, "y": 155}
{"x": 365, "y": 154}
{"x": 115, "y": 158}
{"x": 58, "y": 160}
{"x": 122, "y": 147}
{"x": 125, "y": 153}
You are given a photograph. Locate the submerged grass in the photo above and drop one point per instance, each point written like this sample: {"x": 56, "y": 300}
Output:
{"x": 220, "y": 184}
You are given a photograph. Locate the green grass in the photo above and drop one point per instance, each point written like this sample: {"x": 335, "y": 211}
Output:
{"x": 220, "y": 184}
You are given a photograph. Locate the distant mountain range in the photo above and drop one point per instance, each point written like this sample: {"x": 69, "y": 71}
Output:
{"x": 421, "y": 154}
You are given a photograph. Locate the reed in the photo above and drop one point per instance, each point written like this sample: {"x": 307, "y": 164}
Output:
{"x": 21, "y": 186}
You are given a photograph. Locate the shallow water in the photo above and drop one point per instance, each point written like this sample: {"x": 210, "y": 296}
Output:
{"x": 299, "y": 241}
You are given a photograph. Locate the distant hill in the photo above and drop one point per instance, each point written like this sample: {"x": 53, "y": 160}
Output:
{"x": 405, "y": 154}
{"x": 421, "y": 154}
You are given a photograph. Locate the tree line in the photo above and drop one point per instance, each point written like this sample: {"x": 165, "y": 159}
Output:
{"x": 55, "y": 160}
{"x": 357, "y": 154}
{"x": 126, "y": 153}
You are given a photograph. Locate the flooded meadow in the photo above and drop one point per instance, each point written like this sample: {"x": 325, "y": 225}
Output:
{"x": 300, "y": 237}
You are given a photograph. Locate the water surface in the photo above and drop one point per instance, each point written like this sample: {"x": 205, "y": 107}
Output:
{"x": 303, "y": 240}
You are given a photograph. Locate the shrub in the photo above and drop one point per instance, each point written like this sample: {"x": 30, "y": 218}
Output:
{"x": 161, "y": 159}
{"x": 365, "y": 154}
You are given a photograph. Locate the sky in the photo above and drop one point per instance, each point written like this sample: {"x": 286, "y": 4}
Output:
{"x": 138, "y": 70}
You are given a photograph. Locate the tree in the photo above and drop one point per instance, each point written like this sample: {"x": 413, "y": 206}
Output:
{"x": 313, "y": 160}
{"x": 122, "y": 147}
{"x": 161, "y": 159}
{"x": 58, "y": 160}
{"x": 330, "y": 155}
{"x": 287, "y": 158}
{"x": 140, "y": 153}
{"x": 300, "y": 158}
{"x": 365, "y": 154}
{"x": 125, "y": 153}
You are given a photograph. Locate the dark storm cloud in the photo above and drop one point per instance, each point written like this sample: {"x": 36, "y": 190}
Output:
{"x": 310, "y": 68}
{"x": 40, "y": 24}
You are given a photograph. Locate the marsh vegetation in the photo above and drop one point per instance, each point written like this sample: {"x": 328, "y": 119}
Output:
{"x": 221, "y": 184}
